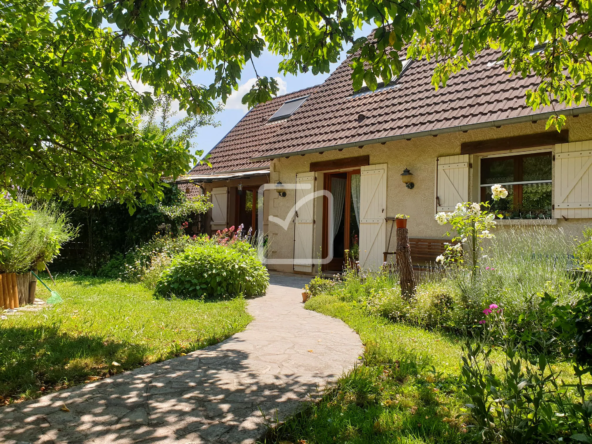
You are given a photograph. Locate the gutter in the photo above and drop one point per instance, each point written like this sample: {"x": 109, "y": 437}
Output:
{"x": 452, "y": 129}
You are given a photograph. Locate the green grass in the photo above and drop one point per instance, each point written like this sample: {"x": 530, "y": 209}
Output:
{"x": 103, "y": 323}
{"x": 407, "y": 389}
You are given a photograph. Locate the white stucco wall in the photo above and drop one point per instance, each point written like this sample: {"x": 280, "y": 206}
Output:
{"x": 418, "y": 155}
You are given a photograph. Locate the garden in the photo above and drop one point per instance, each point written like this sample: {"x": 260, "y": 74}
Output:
{"x": 162, "y": 298}
{"x": 494, "y": 344}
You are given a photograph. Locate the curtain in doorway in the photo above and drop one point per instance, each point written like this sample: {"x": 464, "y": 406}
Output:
{"x": 355, "y": 193}
{"x": 338, "y": 191}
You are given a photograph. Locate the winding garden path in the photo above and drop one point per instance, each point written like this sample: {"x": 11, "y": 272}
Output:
{"x": 225, "y": 393}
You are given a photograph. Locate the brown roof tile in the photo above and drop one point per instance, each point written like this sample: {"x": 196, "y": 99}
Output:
{"x": 485, "y": 93}
{"x": 244, "y": 141}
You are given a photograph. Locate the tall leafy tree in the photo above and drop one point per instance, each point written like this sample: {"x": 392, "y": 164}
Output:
{"x": 162, "y": 120}
{"x": 65, "y": 105}
{"x": 67, "y": 120}
{"x": 549, "y": 38}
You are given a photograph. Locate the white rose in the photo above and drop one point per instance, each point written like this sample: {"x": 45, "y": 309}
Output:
{"x": 442, "y": 218}
{"x": 476, "y": 208}
{"x": 440, "y": 259}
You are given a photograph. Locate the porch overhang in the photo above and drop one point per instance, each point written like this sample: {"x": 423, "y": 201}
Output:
{"x": 222, "y": 176}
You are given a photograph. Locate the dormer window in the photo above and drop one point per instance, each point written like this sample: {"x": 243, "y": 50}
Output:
{"x": 287, "y": 109}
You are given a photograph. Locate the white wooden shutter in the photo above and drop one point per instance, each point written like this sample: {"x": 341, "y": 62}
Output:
{"x": 453, "y": 182}
{"x": 304, "y": 223}
{"x": 372, "y": 216}
{"x": 572, "y": 183}
{"x": 220, "y": 209}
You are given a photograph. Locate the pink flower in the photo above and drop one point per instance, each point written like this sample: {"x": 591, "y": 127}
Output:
{"x": 492, "y": 307}
{"x": 487, "y": 311}
{"x": 482, "y": 322}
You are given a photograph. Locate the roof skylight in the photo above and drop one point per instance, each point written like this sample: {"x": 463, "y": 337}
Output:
{"x": 287, "y": 109}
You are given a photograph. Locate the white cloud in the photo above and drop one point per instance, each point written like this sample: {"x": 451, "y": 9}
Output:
{"x": 234, "y": 101}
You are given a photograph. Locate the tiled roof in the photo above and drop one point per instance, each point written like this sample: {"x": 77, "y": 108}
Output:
{"x": 244, "y": 141}
{"x": 482, "y": 95}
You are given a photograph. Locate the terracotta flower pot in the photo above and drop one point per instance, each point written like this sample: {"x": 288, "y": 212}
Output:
{"x": 305, "y": 296}
{"x": 401, "y": 223}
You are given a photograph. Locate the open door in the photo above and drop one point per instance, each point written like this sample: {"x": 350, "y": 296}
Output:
{"x": 372, "y": 216}
{"x": 304, "y": 223}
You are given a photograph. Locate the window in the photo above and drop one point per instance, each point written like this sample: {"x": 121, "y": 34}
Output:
{"x": 287, "y": 109}
{"x": 528, "y": 179}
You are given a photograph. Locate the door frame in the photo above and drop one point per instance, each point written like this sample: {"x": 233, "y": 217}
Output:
{"x": 237, "y": 205}
{"x": 346, "y": 209}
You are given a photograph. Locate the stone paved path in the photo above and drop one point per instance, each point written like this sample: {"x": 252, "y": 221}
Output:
{"x": 225, "y": 393}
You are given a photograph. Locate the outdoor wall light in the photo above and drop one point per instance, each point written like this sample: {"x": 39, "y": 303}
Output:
{"x": 279, "y": 187}
{"x": 240, "y": 189}
{"x": 407, "y": 178}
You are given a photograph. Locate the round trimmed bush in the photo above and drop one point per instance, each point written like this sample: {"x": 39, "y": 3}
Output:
{"x": 213, "y": 271}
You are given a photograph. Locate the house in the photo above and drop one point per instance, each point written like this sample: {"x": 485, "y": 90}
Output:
{"x": 234, "y": 179}
{"x": 403, "y": 148}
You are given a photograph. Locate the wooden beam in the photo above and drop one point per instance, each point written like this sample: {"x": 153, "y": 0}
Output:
{"x": 340, "y": 164}
{"x": 517, "y": 142}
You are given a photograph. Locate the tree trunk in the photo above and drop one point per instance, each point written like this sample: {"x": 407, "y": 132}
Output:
{"x": 404, "y": 263}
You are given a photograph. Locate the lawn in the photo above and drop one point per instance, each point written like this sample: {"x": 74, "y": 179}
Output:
{"x": 406, "y": 391}
{"x": 104, "y": 327}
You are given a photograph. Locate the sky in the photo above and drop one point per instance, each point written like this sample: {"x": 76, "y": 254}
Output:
{"x": 267, "y": 65}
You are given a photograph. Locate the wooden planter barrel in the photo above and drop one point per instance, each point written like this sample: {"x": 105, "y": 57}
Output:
{"x": 17, "y": 290}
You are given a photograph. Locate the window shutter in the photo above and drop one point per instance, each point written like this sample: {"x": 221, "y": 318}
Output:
{"x": 453, "y": 182}
{"x": 220, "y": 209}
{"x": 573, "y": 180}
{"x": 304, "y": 223}
{"x": 372, "y": 216}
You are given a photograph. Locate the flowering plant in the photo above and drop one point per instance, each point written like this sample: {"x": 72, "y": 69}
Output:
{"x": 401, "y": 216}
{"x": 473, "y": 223}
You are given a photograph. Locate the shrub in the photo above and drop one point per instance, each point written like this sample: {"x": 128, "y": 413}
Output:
{"x": 211, "y": 270}
{"x": 318, "y": 286}
{"x": 583, "y": 252}
{"x": 135, "y": 264}
{"x": 36, "y": 240}
{"x": 432, "y": 307}
{"x": 524, "y": 400}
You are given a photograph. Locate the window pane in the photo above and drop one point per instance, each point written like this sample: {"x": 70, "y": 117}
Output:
{"x": 497, "y": 170}
{"x": 537, "y": 167}
{"x": 528, "y": 201}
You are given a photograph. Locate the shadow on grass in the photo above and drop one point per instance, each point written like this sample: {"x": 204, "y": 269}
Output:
{"x": 192, "y": 398}
{"x": 40, "y": 359}
{"x": 372, "y": 405}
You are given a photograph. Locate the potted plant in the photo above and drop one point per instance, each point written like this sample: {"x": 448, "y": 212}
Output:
{"x": 305, "y": 294}
{"x": 28, "y": 241}
{"x": 401, "y": 220}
